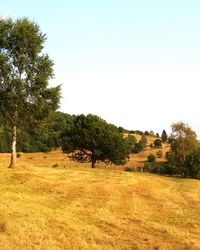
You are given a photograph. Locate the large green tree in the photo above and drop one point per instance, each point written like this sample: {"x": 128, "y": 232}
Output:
{"x": 24, "y": 75}
{"x": 90, "y": 138}
{"x": 183, "y": 140}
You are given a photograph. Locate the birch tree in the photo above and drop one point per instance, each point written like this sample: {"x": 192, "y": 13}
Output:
{"x": 24, "y": 75}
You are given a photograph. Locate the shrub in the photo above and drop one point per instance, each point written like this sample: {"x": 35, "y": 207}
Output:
{"x": 129, "y": 169}
{"x": 151, "y": 158}
{"x": 192, "y": 164}
{"x": 138, "y": 147}
{"x": 146, "y": 133}
{"x": 157, "y": 143}
{"x": 169, "y": 169}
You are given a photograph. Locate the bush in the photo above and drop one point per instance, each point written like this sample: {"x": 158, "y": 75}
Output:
{"x": 157, "y": 143}
{"x": 192, "y": 164}
{"x": 164, "y": 168}
{"x": 138, "y": 147}
{"x": 151, "y": 158}
{"x": 169, "y": 169}
{"x": 129, "y": 169}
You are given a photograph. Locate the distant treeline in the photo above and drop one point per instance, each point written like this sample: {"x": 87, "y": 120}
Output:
{"x": 46, "y": 136}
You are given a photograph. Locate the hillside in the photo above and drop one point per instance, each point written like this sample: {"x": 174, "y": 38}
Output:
{"x": 138, "y": 160}
{"x": 57, "y": 157}
{"x": 57, "y": 208}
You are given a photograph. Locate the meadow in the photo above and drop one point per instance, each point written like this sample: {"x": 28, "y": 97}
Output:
{"x": 49, "y": 202}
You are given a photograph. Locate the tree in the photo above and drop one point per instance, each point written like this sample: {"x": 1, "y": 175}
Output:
{"x": 24, "y": 75}
{"x": 138, "y": 147}
{"x": 157, "y": 143}
{"x": 151, "y": 158}
{"x": 183, "y": 141}
{"x": 93, "y": 139}
{"x": 192, "y": 164}
{"x": 143, "y": 140}
{"x": 151, "y": 133}
{"x": 164, "y": 136}
{"x": 131, "y": 141}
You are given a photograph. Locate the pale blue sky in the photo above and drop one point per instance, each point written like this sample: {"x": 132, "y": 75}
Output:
{"x": 134, "y": 63}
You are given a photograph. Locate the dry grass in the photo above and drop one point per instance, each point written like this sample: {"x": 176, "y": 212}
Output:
{"x": 80, "y": 208}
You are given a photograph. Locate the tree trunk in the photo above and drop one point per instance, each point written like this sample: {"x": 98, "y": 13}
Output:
{"x": 13, "y": 153}
{"x": 93, "y": 163}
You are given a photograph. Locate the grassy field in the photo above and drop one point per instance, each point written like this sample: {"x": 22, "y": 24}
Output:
{"x": 81, "y": 208}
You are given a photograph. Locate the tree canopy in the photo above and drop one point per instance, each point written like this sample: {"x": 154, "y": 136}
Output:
{"x": 24, "y": 75}
{"x": 183, "y": 140}
{"x": 192, "y": 164}
{"x": 92, "y": 139}
{"x": 157, "y": 143}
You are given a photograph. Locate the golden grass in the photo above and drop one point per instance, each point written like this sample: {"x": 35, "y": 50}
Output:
{"x": 80, "y": 208}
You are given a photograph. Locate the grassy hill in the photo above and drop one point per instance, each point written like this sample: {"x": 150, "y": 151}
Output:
{"x": 80, "y": 208}
{"x": 57, "y": 157}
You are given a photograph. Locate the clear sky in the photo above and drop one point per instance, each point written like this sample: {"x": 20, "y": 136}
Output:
{"x": 135, "y": 63}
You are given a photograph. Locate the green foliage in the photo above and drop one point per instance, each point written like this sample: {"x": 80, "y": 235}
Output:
{"x": 183, "y": 141}
{"x": 164, "y": 168}
{"x": 157, "y": 143}
{"x": 164, "y": 136}
{"x": 151, "y": 158}
{"x": 152, "y": 133}
{"x": 121, "y": 129}
{"x": 131, "y": 141}
{"x": 139, "y": 132}
{"x": 4, "y": 139}
{"x": 146, "y": 133}
{"x": 138, "y": 147}
{"x": 144, "y": 140}
{"x": 192, "y": 164}
{"x": 41, "y": 138}
{"x": 24, "y": 72}
{"x": 93, "y": 139}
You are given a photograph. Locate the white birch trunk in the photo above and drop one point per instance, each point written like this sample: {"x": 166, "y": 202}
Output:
{"x": 13, "y": 153}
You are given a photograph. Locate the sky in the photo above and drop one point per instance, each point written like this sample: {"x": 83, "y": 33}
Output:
{"x": 135, "y": 64}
